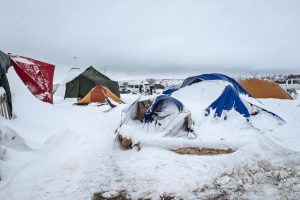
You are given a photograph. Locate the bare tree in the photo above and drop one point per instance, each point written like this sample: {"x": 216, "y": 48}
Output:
{"x": 254, "y": 74}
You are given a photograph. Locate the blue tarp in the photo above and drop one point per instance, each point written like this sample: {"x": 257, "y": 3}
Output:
{"x": 228, "y": 100}
{"x": 214, "y": 76}
{"x": 160, "y": 99}
{"x": 169, "y": 91}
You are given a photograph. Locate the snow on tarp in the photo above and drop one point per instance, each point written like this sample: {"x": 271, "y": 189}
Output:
{"x": 169, "y": 91}
{"x": 198, "y": 97}
{"x": 228, "y": 100}
{"x": 36, "y": 75}
{"x": 214, "y": 76}
{"x": 157, "y": 102}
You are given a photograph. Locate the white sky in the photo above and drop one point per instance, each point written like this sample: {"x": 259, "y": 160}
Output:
{"x": 164, "y": 37}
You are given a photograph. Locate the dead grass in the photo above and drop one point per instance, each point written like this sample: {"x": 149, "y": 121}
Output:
{"x": 202, "y": 151}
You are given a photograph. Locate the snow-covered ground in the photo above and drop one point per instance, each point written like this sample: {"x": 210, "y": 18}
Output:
{"x": 63, "y": 151}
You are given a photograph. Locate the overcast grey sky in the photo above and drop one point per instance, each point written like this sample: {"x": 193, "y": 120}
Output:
{"x": 156, "y": 36}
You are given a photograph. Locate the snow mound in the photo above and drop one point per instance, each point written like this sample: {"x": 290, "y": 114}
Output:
{"x": 60, "y": 92}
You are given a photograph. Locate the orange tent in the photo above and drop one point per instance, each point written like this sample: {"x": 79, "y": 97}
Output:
{"x": 264, "y": 89}
{"x": 99, "y": 94}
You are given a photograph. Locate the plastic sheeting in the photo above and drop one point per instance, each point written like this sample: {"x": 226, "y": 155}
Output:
{"x": 214, "y": 76}
{"x": 228, "y": 100}
{"x": 160, "y": 99}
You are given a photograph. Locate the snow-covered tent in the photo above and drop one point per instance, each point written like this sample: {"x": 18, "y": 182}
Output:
{"x": 202, "y": 98}
{"x": 160, "y": 104}
{"x": 164, "y": 116}
{"x": 169, "y": 91}
{"x": 214, "y": 76}
{"x": 228, "y": 100}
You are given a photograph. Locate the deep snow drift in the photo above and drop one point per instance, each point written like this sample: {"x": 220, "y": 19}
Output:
{"x": 63, "y": 151}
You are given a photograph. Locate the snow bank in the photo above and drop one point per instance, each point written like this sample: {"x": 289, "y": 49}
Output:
{"x": 76, "y": 154}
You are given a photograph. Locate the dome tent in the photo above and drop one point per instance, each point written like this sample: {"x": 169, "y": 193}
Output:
{"x": 232, "y": 96}
{"x": 99, "y": 94}
{"x": 184, "y": 112}
{"x": 214, "y": 76}
{"x": 157, "y": 105}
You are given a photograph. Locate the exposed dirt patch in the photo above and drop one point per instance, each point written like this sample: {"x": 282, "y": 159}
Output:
{"x": 202, "y": 151}
{"x": 121, "y": 195}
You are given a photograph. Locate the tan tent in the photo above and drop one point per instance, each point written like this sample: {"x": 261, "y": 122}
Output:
{"x": 264, "y": 89}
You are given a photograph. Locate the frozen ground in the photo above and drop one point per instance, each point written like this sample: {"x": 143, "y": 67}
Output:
{"x": 63, "y": 151}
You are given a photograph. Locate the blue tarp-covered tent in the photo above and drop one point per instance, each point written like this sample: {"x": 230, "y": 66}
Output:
{"x": 155, "y": 105}
{"x": 228, "y": 100}
{"x": 214, "y": 76}
{"x": 169, "y": 91}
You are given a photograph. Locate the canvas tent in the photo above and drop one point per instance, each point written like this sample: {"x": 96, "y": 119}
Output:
{"x": 264, "y": 89}
{"x": 99, "y": 94}
{"x": 84, "y": 82}
{"x": 36, "y": 75}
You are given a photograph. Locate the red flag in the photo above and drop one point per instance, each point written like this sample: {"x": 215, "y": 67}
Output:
{"x": 36, "y": 75}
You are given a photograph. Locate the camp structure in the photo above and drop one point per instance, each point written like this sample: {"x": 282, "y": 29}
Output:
{"x": 229, "y": 99}
{"x": 264, "y": 89}
{"x": 211, "y": 77}
{"x": 81, "y": 85}
{"x": 201, "y": 101}
{"x": 163, "y": 116}
{"x": 99, "y": 94}
{"x": 168, "y": 115}
{"x": 36, "y": 75}
{"x": 223, "y": 94}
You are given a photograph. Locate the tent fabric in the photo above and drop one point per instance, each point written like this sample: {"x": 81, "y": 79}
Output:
{"x": 169, "y": 91}
{"x": 36, "y": 75}
{"x": 264, "y": 89}
{"x": 99, "y": 94}
{"x": 148, "y": 115}
{"x": 214, "y": 76}
{"x": 5, "y": 63}
{"x": 84, "y": 82}
{"x": 141, "y": 109}
{"x": 228, "y": 100}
